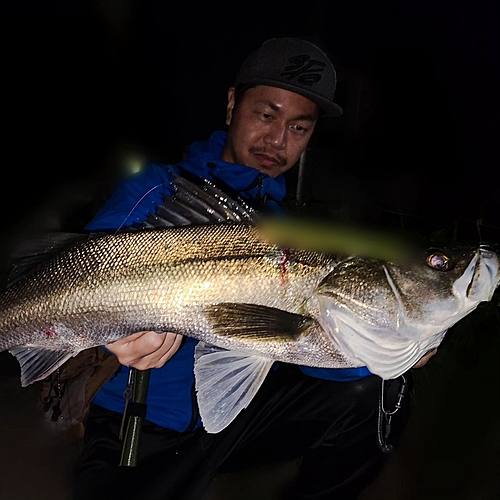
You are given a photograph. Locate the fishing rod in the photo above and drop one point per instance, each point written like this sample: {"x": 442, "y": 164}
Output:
{"x": 134, "y": 415}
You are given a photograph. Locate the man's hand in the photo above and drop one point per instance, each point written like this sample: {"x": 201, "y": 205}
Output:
{"x": 144, "y": 350}
{"x": 423, "y": 360}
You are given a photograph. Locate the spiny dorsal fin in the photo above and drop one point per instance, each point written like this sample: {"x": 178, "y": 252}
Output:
{"x": 199, "y": 201}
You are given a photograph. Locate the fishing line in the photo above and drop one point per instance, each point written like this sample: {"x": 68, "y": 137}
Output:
{"x": 130, "y": 435}
{"x": 137, "y": 204}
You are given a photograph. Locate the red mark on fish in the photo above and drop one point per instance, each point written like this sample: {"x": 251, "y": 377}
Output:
{"x": 51, "y": 332}
{"x": 284, "y": 264}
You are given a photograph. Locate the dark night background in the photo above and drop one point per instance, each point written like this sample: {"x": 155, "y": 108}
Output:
{"x": 88, "y": 86}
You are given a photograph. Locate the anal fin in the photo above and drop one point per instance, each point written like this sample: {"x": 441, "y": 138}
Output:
{"x": 37, "y": 364}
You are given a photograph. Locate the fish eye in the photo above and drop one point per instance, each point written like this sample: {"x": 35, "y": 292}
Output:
{"x": 438, "y": 261}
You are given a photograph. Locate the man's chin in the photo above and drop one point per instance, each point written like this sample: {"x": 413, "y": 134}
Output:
{"x": 272, "y": 171}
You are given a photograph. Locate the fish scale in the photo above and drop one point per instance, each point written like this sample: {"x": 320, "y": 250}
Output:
{"x": 146, "y": 279}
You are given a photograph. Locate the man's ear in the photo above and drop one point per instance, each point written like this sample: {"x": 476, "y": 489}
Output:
{"x": 230, "y": 105}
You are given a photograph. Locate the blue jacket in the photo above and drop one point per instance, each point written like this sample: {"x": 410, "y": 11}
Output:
{"x": 171, "y": 399}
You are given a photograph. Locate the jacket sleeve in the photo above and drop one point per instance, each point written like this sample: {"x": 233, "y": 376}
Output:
{"x": 134, "y": 199}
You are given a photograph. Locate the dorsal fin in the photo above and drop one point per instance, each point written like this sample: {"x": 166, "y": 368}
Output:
{"x": 199, "y": 201}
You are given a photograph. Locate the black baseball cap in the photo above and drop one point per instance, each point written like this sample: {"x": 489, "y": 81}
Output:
{"x": 293, "y": 64}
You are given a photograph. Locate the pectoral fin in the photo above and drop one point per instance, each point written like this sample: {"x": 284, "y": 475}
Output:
{"x": 37, "y": 364}
{"x": 256, "y": 321}
{"x": 226, "y": 382}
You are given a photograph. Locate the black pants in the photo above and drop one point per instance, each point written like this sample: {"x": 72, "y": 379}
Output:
{"x": 333, "y": 426}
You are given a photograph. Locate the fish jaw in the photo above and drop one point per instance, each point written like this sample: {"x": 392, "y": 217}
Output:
{"x": 486, "y": 277}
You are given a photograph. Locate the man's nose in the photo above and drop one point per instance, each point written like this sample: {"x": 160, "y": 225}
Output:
{"x": 276, "y": 135}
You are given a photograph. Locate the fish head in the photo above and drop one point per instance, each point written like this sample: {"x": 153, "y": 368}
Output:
{"x": 390, "y": 314}
{"x": 441, "y": 289}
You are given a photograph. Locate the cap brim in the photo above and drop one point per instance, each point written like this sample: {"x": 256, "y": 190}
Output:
{"x": 329, "y": 108}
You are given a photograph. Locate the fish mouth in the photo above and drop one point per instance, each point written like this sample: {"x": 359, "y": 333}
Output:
{"x": 481, "y": 278}
{"x": 489, "y": 264}
{"x": 489, "y": 251}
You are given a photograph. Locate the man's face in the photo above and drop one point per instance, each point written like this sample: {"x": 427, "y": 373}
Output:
{"x": 269, "y": 129}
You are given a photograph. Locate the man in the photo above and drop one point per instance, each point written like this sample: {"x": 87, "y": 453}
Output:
{"x": 327, "y": 417}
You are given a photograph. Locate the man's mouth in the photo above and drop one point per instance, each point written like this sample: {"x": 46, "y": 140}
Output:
{"x": 267, "y": 160}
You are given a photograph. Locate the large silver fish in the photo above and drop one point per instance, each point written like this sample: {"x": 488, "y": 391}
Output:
{"x": 249, "y": 301}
